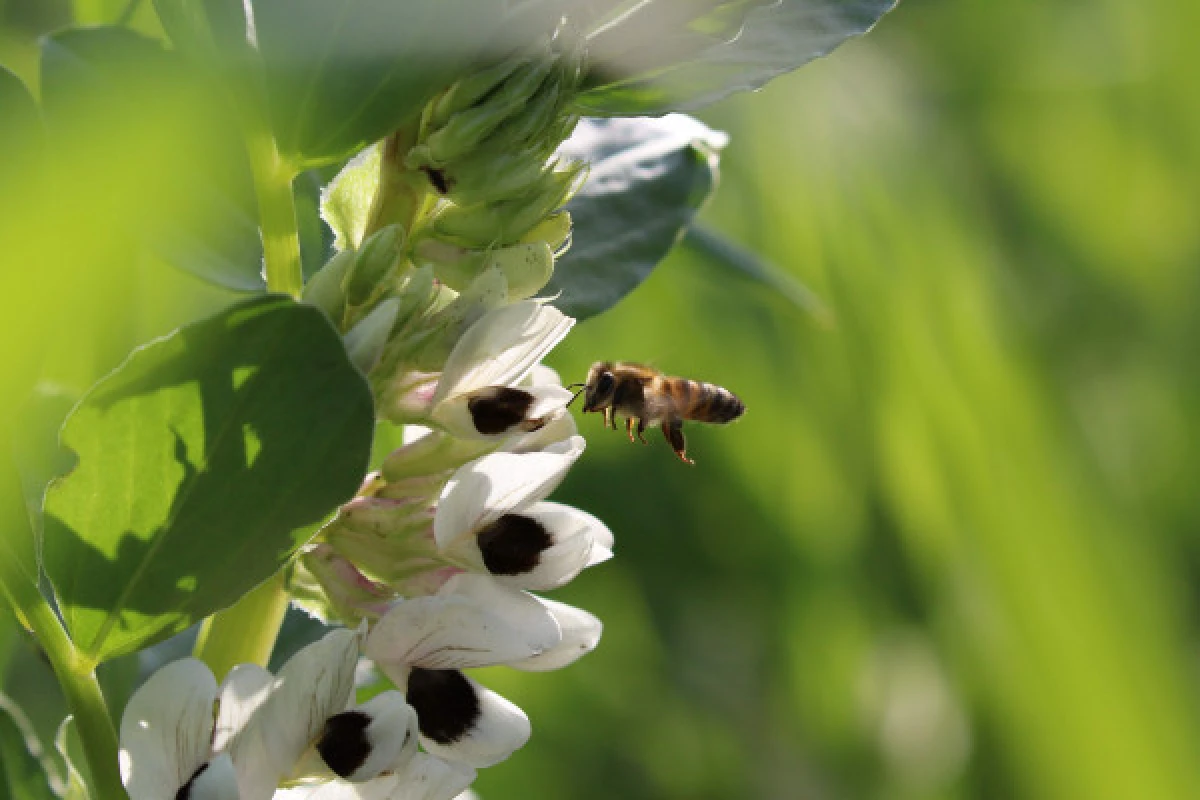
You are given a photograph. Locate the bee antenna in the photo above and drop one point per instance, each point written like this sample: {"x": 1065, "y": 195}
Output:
{"x": 575, "y": 396}
{"x": 574, "y": 385}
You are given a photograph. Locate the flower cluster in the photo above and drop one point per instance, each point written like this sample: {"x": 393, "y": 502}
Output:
{"x": 431, "y": 566}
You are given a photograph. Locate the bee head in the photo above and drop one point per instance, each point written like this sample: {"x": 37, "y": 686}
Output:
{"x": 600, "y": 387}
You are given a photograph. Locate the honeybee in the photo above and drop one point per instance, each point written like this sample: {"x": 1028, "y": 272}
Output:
{"x": 644, "y": 395}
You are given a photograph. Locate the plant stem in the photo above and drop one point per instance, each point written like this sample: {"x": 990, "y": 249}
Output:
{"x": 246, "y": 631}
{"x": 402, "y": 194}
{"x": 77, "y": 676}
{"x": 276, "y": 211}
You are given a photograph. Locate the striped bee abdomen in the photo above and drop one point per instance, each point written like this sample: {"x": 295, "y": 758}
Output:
{"x": 707, "y": 402}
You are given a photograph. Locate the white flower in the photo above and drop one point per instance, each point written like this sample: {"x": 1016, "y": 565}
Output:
{"x": 424, "y": 642}
{"x": 303, "y": 722}
{"x": 491, "y": 518}
{"x": 476, "y": 396}
{"x": 167, "y": 734}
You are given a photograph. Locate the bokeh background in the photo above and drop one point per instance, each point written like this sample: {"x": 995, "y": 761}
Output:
{"x": 951, "y": 550}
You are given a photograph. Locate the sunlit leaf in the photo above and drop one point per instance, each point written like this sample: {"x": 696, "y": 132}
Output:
{"x": 199, "y": 458}
{"x": 647, "y": 179}
{"x": 665, "y": 56}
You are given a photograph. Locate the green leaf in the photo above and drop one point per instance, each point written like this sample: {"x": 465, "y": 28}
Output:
{"x": 340, "y": 74}
{"x": 199, "y": 458}
{"x": 723, "y": 252}
{"x": 647, "y": 179}
{"x": 663, "y": 56}
{"x": 114, "y": 96}
{"x": 37, "y": 454}
{"x": 26, "y": 770}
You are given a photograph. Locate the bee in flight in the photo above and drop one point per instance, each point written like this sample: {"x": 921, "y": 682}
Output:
{"x": 644, "y": 395}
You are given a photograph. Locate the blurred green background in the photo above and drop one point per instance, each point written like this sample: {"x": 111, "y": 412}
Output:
{"x": 951, "y": 550}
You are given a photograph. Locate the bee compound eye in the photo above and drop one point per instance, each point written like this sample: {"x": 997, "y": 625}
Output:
{"x": 605, "y": 383}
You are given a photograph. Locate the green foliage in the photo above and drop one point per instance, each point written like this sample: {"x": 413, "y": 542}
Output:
{"x": 25, "y": 768}
{"x": 199, "y": 460}
{"x": 646, "y": 180}
{"x": 679, "y": 55}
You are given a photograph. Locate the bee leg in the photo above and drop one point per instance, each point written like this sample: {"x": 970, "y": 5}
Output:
{"x": 629, "y": 429}
{"x": 672, "y": 428}
{"x": 640, "y": 430}
{"x": 608, "y": 418}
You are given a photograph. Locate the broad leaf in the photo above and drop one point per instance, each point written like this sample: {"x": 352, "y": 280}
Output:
{"x": 679, "y": 55}
{"x": 340, "y": 74}
{"x": 113, "y": 96}
{"x": 199, "y": 460}
{"x": 647, "y": 179}
{"x": 728, "y": 254}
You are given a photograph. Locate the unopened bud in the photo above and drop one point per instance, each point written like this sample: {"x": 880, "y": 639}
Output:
{"x": 325, "y": 289}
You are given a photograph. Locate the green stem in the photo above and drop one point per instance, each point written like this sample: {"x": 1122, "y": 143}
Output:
{"x": 77, "y": 676}
{"x": 401, "y": 196}
{"x": 277, "y": 213}
{"x": 246, "y": 631}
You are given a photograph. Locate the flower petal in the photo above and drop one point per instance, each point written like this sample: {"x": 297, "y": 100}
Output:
{"x": 501, "y": 347}
{"x": 541, "y": 547}
{"x": 215, "y": 780}
{"x": 315, "y": 684}
{"x": 497, "y": 484}
{"x": 498, "y": 411}
{"x": 463, "y": 721}
{"x": 467, "y": 624}
{"x": 244, "y": 689}
{"x": 428, "y": 777}
{"x": 379, "y": 735}
{"x": 580, "y": 635}
{"x": 166, "y": 730}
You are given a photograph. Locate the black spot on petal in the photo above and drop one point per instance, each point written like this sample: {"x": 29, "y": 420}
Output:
{"x": 513, "y": 544}
{"x": 185, "y": 791}
{"x": 498, "y": 409}
{"x": 344, "y": 744}
{"x": 445, "y": 701}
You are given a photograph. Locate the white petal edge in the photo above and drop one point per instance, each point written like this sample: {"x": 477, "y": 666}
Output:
{"x": 557, "y": 429}
{"x": 217, "y": 782}
{"x": 580, "y": 635}
{"x": 316, "y": 683}
{"x": 501, "y": 347}
{"x": 499, "y": 731}
{"x": 454, "y": 415}
{"x": 453, "y": 630}
{"x": 497, "y": 484}
{"x": 392, "y": 734}
{"x": 166, "y": 730}
{"x": 580, "y": 540}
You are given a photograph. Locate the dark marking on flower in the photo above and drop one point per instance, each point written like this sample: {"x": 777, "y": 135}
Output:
{"x": 185, "y": 791}
{"x": 513, "y": 544}
{"x": 445, "y": 701}
{"x": 438, "y": 178}
{"x": 499, "y": 409}
{"x": 344, "y": 744}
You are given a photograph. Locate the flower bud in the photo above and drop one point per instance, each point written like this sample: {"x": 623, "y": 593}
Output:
{"x": 370, "y": 278}
{"x": 324, "y": 290}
